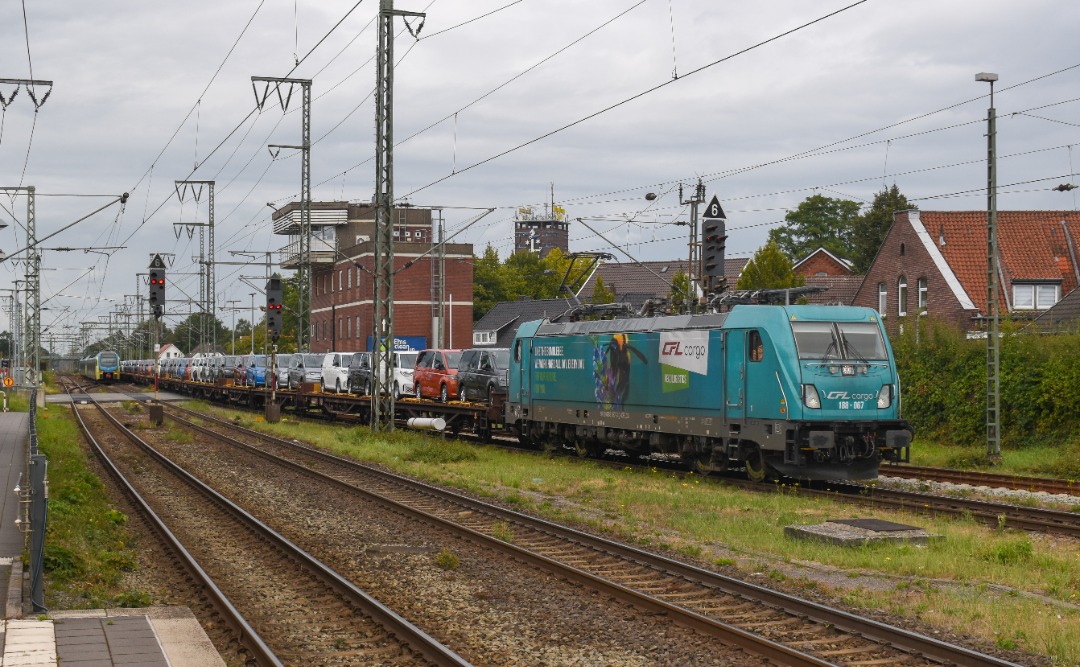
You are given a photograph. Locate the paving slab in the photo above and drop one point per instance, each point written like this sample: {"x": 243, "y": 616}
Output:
{"x": 859, "y": 532}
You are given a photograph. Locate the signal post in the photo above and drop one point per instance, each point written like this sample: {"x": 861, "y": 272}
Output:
{"x": 274, "y": 326}
{"x": 157, "y": 307}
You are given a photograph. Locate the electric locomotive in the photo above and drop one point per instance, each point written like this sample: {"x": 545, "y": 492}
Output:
{"x": 102, "y": 367}
{"x": 809, "y": 392}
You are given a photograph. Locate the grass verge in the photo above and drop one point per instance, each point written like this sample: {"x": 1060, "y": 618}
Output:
{"x": 88, "y": 551}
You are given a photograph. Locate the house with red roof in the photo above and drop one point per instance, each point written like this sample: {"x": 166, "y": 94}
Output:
{"x": 933, "y": 264}
{"x": 821, "y": 262}
{"x": 834, "y": 274}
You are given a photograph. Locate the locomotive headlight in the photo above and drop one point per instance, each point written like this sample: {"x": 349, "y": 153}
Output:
{"x": 810, "y": 396}
{"x": 884, "y": 396}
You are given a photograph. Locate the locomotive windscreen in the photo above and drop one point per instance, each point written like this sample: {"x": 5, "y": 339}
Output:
{"x": 838, "y": 340}
{"x": 862, "y": 340}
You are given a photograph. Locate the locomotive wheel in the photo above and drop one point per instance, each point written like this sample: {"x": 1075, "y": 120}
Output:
{"x": 701, "y": 463}
{"x": 755, "y": 465}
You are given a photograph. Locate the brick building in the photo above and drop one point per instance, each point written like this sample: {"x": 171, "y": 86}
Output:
{"x": 821, "y": 262}
{"x": 539, "y": 232}
{"x": 823, "y": 269}
{"x": 342, "y": 277}
{"x": 933, "y": 264}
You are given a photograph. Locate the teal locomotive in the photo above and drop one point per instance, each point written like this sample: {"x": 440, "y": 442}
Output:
{"x": 101, "y": 367}
{"x": 809, "y": 392}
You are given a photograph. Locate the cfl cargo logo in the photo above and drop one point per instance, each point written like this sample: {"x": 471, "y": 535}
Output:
{"x": 686, "y": 350}
{"x": 845, "y": 396}
{"x": 674, "y": 348}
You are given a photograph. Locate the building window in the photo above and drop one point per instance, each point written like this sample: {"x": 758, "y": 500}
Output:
{"x": 901, "y": 296}
{"x": 340, "y": 281}
{"x": 922, "y": 294}
{"x": 882, "y": 298}
{"x": 350, "y": 279}
{"x": 1035, "y": 297}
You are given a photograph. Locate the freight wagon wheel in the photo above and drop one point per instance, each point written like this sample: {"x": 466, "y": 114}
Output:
{"x": 755, "y": 465}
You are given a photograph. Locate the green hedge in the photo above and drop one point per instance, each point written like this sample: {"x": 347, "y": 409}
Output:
{"x": 943, "y": 376}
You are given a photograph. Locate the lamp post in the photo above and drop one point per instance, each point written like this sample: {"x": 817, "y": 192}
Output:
{"x": 993, "y": 344}
{"x": 233, "y": 309}
{"x": 253, "y": 323}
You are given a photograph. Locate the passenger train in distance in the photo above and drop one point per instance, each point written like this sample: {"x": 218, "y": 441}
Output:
{"x": 102, "y": 367}
{"x": 809, "y": 392}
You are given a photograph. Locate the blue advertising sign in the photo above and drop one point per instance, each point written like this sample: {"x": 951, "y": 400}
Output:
{"x": 405, "y": 343}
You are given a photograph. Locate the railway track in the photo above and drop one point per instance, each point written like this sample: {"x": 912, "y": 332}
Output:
{"x": 786, "y": 629}
{"x": 989, "y": 513}
{"x": 977, "y": 478}
{"x": 284, "y": 605}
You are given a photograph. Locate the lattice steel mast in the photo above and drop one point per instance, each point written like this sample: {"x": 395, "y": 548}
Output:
{"x": 382, "y": 401}
{"x": 303, "y": 305}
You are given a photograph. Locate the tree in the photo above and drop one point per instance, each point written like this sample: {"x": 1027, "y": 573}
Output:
{"x": 677, "y": 296}
{"x": 601, "y": 293}
{"x": 870, "y": 228}
{"x": 818, "y": 222}
{"x": 769, "y": 268}
{"x": 488, "y": 283}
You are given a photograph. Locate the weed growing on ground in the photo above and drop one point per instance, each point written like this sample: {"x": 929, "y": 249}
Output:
{"x": 502, "y": 531}
{"x": 447, "y": 560}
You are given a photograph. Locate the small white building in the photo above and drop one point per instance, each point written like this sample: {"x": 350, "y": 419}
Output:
{"x": 169, "y": 351}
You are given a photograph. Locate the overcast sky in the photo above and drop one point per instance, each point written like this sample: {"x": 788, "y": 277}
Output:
{"x": 498, "y": 104}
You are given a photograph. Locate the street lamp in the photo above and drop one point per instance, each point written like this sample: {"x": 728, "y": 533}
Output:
{"x": 993, "y": 344}
{"x": 233, "y": 309}
{"x": 253, "y": 323}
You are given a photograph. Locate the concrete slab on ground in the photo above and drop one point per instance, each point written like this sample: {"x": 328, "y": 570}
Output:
{"x": 858, "y": 532}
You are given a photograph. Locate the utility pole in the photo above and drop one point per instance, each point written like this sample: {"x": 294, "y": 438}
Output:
{"x": 695, "y": 199}
{"x": 207, "y": 294}
{"x": 382, "y": 399}
{"x": 993, "y": 338}
{"x": 438, "y": 282}
{"x": 32, "y": 339}
{"x": 303, "y": 333}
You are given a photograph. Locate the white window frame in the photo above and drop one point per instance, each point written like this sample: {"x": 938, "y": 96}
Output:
{"x": 901, "y": 296}
{"x": 882, "y": 298}
{"x": 923, "y": 294}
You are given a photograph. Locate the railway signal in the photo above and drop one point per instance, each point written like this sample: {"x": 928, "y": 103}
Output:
{"x": 157, "y": 286}
{"x": 714, "y": 239}
{"x": 274, "y": 299}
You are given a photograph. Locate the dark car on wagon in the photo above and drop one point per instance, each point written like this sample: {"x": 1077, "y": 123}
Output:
{"x": 482, "y": 372}
{"x": 360, "y": 373}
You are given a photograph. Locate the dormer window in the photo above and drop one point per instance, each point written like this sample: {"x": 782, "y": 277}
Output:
{"x": 1031, "y": 296}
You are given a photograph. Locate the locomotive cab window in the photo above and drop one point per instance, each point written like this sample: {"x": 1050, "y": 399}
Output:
{"x": 757, "y": 350}
{"x": 838, "y": 340}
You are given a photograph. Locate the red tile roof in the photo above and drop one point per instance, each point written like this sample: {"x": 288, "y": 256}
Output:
{"x": 1032, "y": 246}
